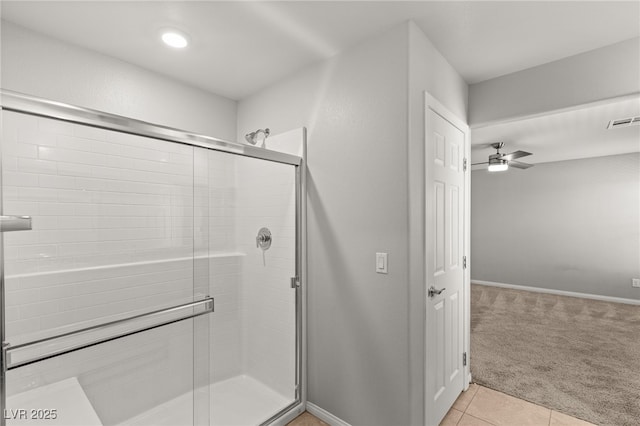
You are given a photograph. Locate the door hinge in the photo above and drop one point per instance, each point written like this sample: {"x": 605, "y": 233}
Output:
{"x": 295, "y": 282}
{"x": 464, "y": 359}
{"x": 464, "y": 262}
{"x": 464, "y": 164}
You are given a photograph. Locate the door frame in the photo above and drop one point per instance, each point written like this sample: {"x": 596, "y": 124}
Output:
{"x": 432, "y": 103}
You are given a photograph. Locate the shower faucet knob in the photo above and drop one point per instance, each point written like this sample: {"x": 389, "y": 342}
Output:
{"x": 263, "y": 239}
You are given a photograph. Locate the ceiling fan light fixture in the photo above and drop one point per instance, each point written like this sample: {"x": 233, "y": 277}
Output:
{"x": 498, "y": 166}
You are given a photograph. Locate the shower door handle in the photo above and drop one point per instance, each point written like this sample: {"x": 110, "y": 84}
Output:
{"x": 15, "y": 223}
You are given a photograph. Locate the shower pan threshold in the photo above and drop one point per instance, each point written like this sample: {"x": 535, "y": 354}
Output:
{"x": 237, "y": 401}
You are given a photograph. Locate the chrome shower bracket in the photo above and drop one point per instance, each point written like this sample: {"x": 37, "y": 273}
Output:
{"x": 263, "y": 239}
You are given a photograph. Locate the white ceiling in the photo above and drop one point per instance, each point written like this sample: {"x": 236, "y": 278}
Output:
{"x": 239, "y": 47}
{"x": 577, "y": 133}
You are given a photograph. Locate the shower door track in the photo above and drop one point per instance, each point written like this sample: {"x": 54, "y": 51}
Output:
{"x": 206, "y": 303}
{"x": 18, "y": 102}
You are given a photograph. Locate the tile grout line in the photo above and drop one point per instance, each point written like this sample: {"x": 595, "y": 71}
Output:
{"x": 465, "y": 409}
{"x": 464, "y": 412}
{"x": 479, "y": 387}
{"x": 478, "y": 418}
{"x": 470, "y": 401}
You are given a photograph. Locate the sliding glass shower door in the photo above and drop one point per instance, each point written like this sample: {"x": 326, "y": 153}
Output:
{"x": 253, "y": 242}
{"x": 106, "y": 296}
{"x": 118, "y": 238}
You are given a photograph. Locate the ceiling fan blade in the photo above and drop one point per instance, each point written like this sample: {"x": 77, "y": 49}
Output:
{"x": 514, "y": 155}
{"x": 519, "y": 165}
{"x": 477, "y": 164}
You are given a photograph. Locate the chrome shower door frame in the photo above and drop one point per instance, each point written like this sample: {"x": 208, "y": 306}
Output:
{"x": 3, "y": 348}
{"x": 298, "y": 283}
{"x": 30, "y": 105}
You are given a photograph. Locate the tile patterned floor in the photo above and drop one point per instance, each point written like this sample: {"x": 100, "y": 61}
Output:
{"x": 480, "y": 406}
{"x": 307, "y": 419}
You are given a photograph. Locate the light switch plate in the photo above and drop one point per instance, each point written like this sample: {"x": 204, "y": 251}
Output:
{"x": 382, "y": 263}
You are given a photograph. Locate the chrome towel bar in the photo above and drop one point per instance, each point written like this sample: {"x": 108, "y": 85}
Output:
{"x": 175, "y": 313}
{"x": 15, "y": 223}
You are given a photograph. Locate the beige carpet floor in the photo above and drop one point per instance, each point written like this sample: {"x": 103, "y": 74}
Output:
{"x": 578, "y": 356}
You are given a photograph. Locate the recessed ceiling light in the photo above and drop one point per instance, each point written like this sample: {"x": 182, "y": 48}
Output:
{"x": 174, "y": 39}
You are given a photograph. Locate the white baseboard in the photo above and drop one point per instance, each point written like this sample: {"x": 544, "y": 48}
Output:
{"x": 559, "y": 292}
{"x": 325, "y": 416}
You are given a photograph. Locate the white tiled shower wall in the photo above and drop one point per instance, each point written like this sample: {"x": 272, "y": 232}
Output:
{"x": 113, "y": 233}
{"x": 108, "y": 210}
{"x": 125, "y": 223}
{"x": 253, "y": 327}
{"x": 225, "y": 271}
{"x": 266, "y": 198}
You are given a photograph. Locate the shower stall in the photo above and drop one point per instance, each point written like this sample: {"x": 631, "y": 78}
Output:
{"x": 149, "y": 276}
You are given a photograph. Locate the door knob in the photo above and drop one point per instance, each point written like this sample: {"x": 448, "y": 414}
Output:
{"x": 434, "y": 291}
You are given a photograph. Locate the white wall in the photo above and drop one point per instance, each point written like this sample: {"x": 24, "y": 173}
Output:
{"x": 357, "y": 107}
{"x": 604, "y": 73}
{"x": 40, "y": 66}
{"x": 568, "y": 225}
{"x": 428, "y": 70}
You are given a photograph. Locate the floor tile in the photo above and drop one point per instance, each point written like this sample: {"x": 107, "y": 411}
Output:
{"x": 452, "y": 418}
{"x": 307, "y": 419}
{"x": 468, "y": 420}
{"x": 465, "y": 397}
{"x": 559, "y": 419}
{"x": 500, "y": 409}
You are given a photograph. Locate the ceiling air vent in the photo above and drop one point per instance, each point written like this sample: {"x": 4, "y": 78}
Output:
{"x": 624, "y": 122}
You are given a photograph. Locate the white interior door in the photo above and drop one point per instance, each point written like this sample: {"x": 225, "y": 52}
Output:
{"x": 445, "y": 316}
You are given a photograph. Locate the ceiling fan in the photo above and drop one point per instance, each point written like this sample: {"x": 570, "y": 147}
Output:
{"x": 500, "y": 162}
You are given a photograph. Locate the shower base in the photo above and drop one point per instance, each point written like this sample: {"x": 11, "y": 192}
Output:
{"x": 243, "y": 400}
{"x": 238, "y": 401}
{"x": 66, "y": 397}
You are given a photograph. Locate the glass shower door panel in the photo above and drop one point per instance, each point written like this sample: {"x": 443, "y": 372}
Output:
{"x": 254, "y": 329}
{"x": 112, "y": 224}
{"x": 144, "y": 379}
{"x": 113, "y": 234}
